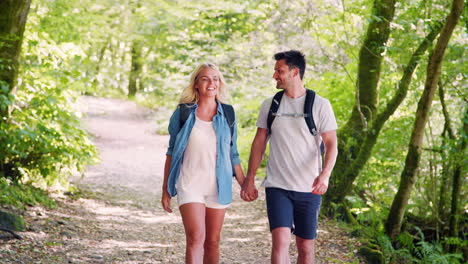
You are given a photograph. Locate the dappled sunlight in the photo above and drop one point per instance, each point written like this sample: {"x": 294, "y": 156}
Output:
{"x": 236, "y": 216}
{"x": 37, "y": 211}
{"x": 67, "y": 215}
{"x": 263, "y": 220}
{"x": 246, "y": 228}
{"x": 110, "y": 244}
{"x": 116, "y": 213}
{"x": 100, "y": 208}
{"x": 238, "y": 239}
{"x": 322, "y": 231}
{"x": 166, "y": 219}
{"x": 34, "y": 235}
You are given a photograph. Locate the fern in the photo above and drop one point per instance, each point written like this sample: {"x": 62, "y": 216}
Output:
{"x": 423, "y": 252}
{"x": 433, "y": 253}
{"x": 393, "y": 255}
{"x": 406, "y": 240}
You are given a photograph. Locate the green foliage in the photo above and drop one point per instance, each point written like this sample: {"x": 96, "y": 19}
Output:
{"x": 408, "y": 248}
{"x": 433, "y": 253}
{"x": 426, "y": 252}
{"x": 407, "y": 251}
{"x": 43, "y": 137}
{"x": 392, "y": 255}
{"x": 371, "y": 255}
{"x": 22, "y": 195}
{"x": 454, "y": 244}
{"x": 42, "y": 140}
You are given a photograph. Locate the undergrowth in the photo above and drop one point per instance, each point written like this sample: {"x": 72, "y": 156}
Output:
{"x": 22, "y": 195}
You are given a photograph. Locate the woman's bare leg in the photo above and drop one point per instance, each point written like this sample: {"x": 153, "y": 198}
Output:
{"x": 214, "y": 223}
{"x": 193, "y": 218}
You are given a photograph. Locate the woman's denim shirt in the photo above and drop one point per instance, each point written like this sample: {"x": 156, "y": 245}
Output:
{"x": 227, "y": 155}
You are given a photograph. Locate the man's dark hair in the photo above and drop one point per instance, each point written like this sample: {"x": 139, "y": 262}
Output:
{"x": 294, "y": 59}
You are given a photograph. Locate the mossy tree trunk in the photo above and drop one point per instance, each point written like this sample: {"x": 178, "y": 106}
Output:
{"x": 409, "y": 174}
{"x": 13, "y": 15}
{"x": 366, "y": 99}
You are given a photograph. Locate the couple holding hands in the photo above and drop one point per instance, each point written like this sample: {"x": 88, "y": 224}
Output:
{"x": 202, "y": 158}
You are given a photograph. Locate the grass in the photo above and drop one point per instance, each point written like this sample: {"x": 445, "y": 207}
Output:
{"x": 22, "y": 195}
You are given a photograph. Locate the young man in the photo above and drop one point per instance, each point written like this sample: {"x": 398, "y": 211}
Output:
{"x": 295, "y": 180}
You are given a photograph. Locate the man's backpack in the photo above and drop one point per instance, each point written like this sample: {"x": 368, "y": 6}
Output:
{"x": 308, "y": 105}
{"x": 227, "y": 109}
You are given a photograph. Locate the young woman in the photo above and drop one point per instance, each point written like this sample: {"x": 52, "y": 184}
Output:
{"x": 200, "y": 162}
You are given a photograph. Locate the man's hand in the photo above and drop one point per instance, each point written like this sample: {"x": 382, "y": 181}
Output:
{"x": 249, "y": 192}
{"x": 320, "y": 185}
{"x": 166, "y": 202}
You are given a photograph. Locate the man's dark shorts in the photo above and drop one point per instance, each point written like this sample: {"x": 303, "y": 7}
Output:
{"x": 296, "y": 210}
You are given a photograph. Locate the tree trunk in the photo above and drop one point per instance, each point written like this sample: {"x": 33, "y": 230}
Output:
{"x": 13, "y": 15}
{"x": 366, "y": 102}
{"x": 448, "y": 136}
{"x": 457, "y": 182}
{"x": 370, "y": 60}
{"x": 102, "y": 51}
{"x": 136, "y": 59}
{"x": 408, "y": 176}
{"x": 135, "y": 69}
{"x": 369, "y": 66}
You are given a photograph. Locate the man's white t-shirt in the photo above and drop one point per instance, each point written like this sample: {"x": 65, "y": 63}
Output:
{"x": 295, "y": 159}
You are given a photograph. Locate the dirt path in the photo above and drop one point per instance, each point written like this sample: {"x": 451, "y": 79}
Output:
{"x": 132, "y": 154}
{"x": 120, "y": 219}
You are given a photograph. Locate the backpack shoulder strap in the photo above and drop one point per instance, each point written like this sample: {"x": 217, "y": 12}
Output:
{"x": 275, "y": 103}
{"x": 308, "y": 106}
{"x": 184, "y": 113}
{"x": 309, "y": 118}
{"x": 229, "y": 115}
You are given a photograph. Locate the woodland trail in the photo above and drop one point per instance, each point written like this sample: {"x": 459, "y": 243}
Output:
{"x": 119, "y": 218}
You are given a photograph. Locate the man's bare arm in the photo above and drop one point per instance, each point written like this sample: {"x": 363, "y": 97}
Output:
{"x": 320, "y": 185}
{"x": 249, "y": 191}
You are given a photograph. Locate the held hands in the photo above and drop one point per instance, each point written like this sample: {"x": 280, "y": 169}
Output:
{"x": 249, "y": 192}
{"x": 166, "y": 202}
{"x": 320, "y": 185}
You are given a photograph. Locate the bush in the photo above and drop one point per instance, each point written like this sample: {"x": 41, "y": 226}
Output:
{"x": 43, "y": 137}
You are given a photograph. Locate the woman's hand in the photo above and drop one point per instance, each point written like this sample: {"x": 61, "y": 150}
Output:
{"x": 166, "y": 202}
{"x": 166, "y": 198}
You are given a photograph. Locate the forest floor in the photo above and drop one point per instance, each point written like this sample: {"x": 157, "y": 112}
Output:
{"x": 117, "y": 216}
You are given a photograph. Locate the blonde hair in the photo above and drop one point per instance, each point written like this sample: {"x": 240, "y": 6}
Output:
{"x": 190, "y": 94}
